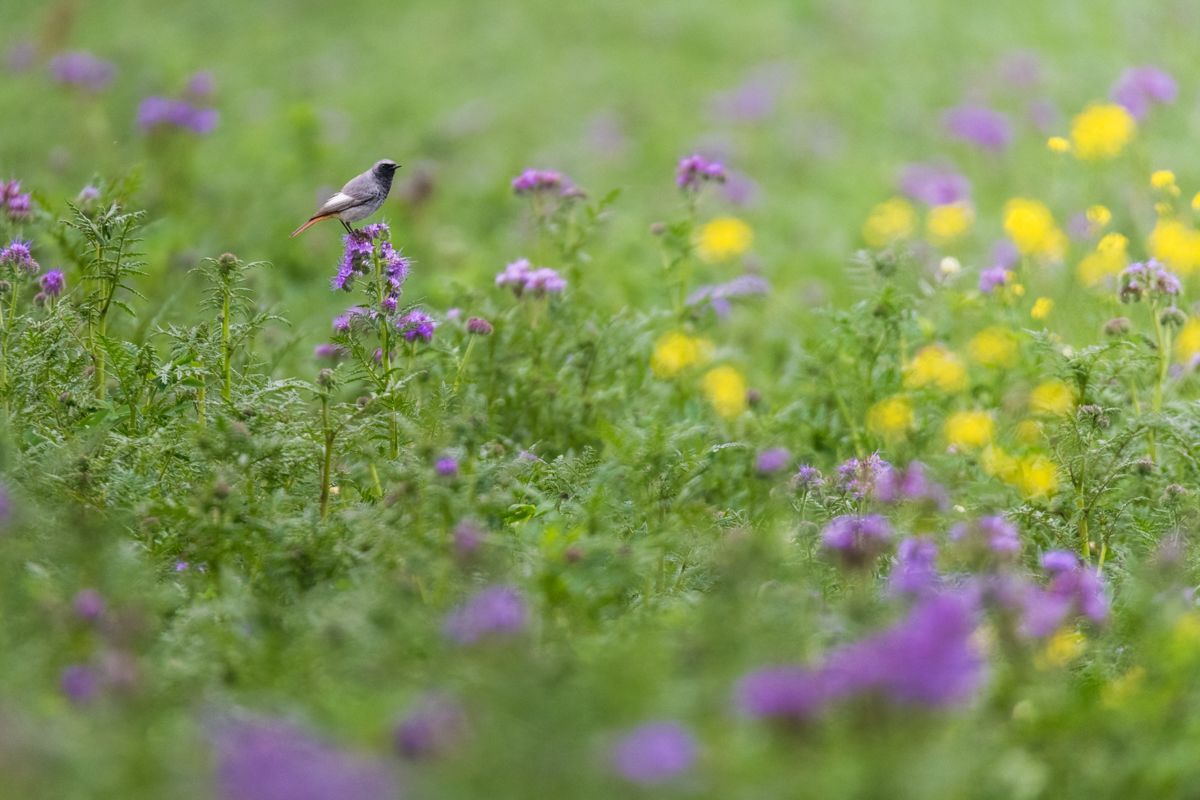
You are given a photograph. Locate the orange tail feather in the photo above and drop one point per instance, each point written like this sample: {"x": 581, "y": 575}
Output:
{"x": 309, "y": 224}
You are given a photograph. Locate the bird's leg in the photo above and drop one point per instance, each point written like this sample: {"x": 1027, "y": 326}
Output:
{"x": 346, "y": 225}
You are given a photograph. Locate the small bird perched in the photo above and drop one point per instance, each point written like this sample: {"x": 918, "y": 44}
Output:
{"x": 359, "y": 198}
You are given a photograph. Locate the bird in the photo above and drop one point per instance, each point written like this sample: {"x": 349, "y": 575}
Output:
{"x": 359, "y": 198}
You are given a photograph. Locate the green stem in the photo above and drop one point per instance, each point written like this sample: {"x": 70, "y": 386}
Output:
{"x": 226, "y": 350}
{"x": 462, "y": 364}
{"x": 327, "y": 458}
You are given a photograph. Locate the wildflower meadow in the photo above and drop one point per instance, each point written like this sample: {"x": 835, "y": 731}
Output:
{"x": 774, "y": 400}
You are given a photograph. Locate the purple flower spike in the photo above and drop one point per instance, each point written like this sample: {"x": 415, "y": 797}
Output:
{"x": 495, "y": 612}
{"x": 18, "y": 255}
{"x": 857, "y": 477}
{"x": 53, "y": 282}
{"x": 1139, "y": 88}
{"x": 263, "y": 759}
{"x": 857, "y": 539}
{"x": 416, "y": 326}
{"x": 978, "y": 125}
{"x": 654, "y": 753}
{"x": 934, "y": 185}
{"x": 807, "y": 477}
{"x": 695, "y": 170}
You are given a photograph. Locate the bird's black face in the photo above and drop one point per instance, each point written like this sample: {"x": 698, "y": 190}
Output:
{"x": 386, "y": 167}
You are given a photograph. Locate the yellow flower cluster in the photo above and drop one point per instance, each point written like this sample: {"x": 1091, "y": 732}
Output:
{"x": 676, "y": 351}
{"x": 890, "y": 221}
{"x": 1187, "y": 342}
{"x": 1031, "y": 227}
{"x": 1041, "y": 308}
{"x": 1033, "y": 475}
{"x": 1052, "y": 398}
{"x": 1101, "y": 131}
{"x": 969, "y": 430}
{"x": 948, "y": 222}
{"x": 1164, "y": 181}
{"x": 726, "y": 390}
{"x": 890, "y": 418}
{"x": 1107, "y": 260}
{"x": 1175, "y": 244}
{"x": 723, "y": 238}
{"x": 994, "y": 347}
{"x": 1064, "y": 647}
{"x": 934, "y": 365}
{"x": 1099, "y": 215}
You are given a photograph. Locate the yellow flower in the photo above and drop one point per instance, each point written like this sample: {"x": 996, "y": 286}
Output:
{"x": 1099, "y": 215}
{"x": 1053, "y": 398}
{"x": 994, "y": 347}
{"x": 1041, "y": 308}
{"x": 1196, "y": 202}
{"x": 890, "y": 418}
{"x": 1187, "y": 341}
{"x": 948, "y": 222}
{"x": 995, "y": 461}
{"x": 889, "y": 221}
{"x": 1063, "y": 648}
{"x": 1029, "y": 432}
{"x": 1034, "y": 476}
{"x": 723, "y": 238}
{"x": 1101, "y": 131}
{"x": 1164, "y": 180}
{"x": 726, "y": 390}
{"x": 1176, "y": 244}
{"x": 1058, "y": 144}
{"x": 1109, "y": 258}
{"x": 934, "y": 365}
{"x": 675, "y": 352}
{"x": 969, "y": 430}
{"x": 1031, "y": 227}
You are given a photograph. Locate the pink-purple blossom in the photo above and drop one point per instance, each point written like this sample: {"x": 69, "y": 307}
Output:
{"x": 654, "y": 753}
{"x": 978, "y": 125}
{"x": 494, "y": 612}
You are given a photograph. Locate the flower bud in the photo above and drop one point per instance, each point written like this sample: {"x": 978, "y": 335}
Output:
{"x": 479, "y": 326}
{"x": 325, "y": 378}
{"x": 1173, "y": 317}
{"x": 1117, "y": 326}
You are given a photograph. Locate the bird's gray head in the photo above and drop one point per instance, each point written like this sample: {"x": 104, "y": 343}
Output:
{"x": 385, "y": 168}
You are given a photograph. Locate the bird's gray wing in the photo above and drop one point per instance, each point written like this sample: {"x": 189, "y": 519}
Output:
{"x": 338, "y": 203}
{"x": 362, "y": 187}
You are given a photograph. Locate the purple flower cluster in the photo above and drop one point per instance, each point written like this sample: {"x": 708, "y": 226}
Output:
{"x": 910, "y": 484}
{"x": 88, "y": 605}
{"x": 1139, "y": 88}
{"x": 416, "y": 326}
{"x": 342, "y": 323}
{"x": 719, "y": 294}
{"x": 916, "y": 571}
{"x": 496, "y": 611}
{"x": 934, "y": 185}
{"x": 434, "y": 728}
{"x": 524, "y": 279}
{"x": 994, "y": 278}
{"x": 807, "y": 477}
{"x": 359, "y": 248}
{"x": 772, "y": 460}
{"x": 16, "y": 204}
{"x": 18, "y": 256}
{"x": 857, "y": 477}
{"x": 536, "y": 181}
{"x": 978, "y": 125}
{"x": 83, "y": 70}
{"x": 695, "y": 170}
{"x": 53, "y": 283}
{"x": 80, "y": 683}
{"x": 262, "y": 759}
{"x": 1148, "y": 277}
{"x": 161, "y": 113}
{"x": 992, "y": 534}
{"x": 200, "y": 85}
{"x": 1074, "y": 590}
{"x": 926, "y": 659}
{"x": 856, "y": 539}
{"x": 446, "y": 466}
{"x": 654, "y": 753}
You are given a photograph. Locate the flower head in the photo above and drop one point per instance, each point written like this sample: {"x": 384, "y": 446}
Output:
{"x": 1101, "y": 131}
{"x": 978, "y": 125}
{"x": 807, "y": 477}
{"x": 890, "y": 418}
{"x": 890, "y": 221}
{"x": 497, "y": 611}
{"x": 416, "y": 326}
{"x": 83, "y": 70}
{"x": 695, "y": 170}
{"x": 1139, "y": 88}
{"x": 160, "y": 113}
{"x": 534, "y": 181}
{"x": 857, "y": 539}
{"x": 772, "y": 460}
{"x": 1031, "y": 227}
{"x": 478, "y": 326}
{"x": 857, "y": 477}
{"x": 935, "y": 366}
{"x": 723, "y": 238}
{"x": 994, "y": 278}
{"x": 525, "y": 280}
{"x": 18, "y": 256}
{"x": 53, "y": 282}
{"x": 1148, "y": 278}
{"x": 992, "y": 534}
{"x": 654, "y": 753}
{"x": 934, "y": 185}
{"x": 916, "y": 571}
{"x": 726, "y": 390}
{"x": 969, "y": 430}
{"x": 674, "y": 352}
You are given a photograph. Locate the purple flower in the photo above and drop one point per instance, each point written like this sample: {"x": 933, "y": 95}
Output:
{"x": 87, "y": 195}
{"x": 807, "y": 477}
{"x": 787, "y": 693}
{"x": 916, "y": 571}
{"x": 994, "y": 534}
{"x": 978, "y": 125}
{"x": 718, "y": 294}
{"x": 17, "y": 206}
{"x": 88, "y": 605}
{"x": 772, "y": 460}
{"x": 1138, "y": 88}
{"x": 694, "y": 171}
{"x": 1073, "y": 589}
{"x": 654, "y": 753}
{"x": 753, "y": 101}
{"x": 53, "y": 282}
{"x": 83, "y": 70}
{"x": 18, "y": 255}
{"x": 478, "y": 326}
{"x": 857, "y": 477}
{"x": 156, "y": 113}
{"x": 857, "y": 539}
{"x": 446, "y": 466}
{"x": 934, "y": 185}
{"x": 1020, "y": 69}
{"x": 912, "y": 484}
{"x": 497, "y": 611}
{"x": 264, "y": 759}
{"x": 329, "y": 352}
{"x": 1137, "y": 280}
{"x": 433, "y": 729}
{"x": 342, "y": 323}
{"x": 523, "y": 279}
{"x": 416, "y": 325}
{"x": 1005, "y": 254}
{"x": 80, "y": 683}
{"x": 1059, "y": 561}
{"x": 993, "y": 278}
{"x": 201, "y": 85}
{"x": 533, "y": 181}
{"x": 468, "y": 538}
{"x": 741, "y": 189}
